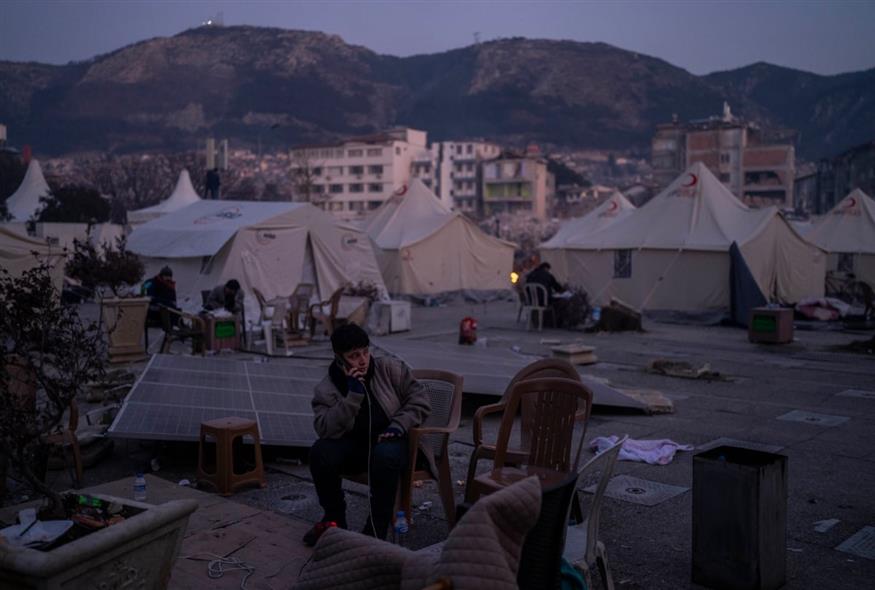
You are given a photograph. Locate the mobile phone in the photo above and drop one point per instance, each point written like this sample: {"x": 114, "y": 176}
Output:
{"x": 341, "y": 361}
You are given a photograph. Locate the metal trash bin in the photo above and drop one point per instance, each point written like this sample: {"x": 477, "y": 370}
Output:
{"x": 739, "y": 519}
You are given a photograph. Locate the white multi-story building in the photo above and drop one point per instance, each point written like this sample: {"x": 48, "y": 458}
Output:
{"x": 354, "y": 176}
{"x": 452, "y": 169}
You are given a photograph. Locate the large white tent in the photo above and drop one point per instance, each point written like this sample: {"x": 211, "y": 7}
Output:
{"x": 25, "y": 201}
{"x": 424, "y": 248}
{"x": 183, "y": 195}
{"x": 616, "y": 208}
{"x": 20, "y": 253}
{"x": 673, "y": 253}
{"x": 847, "y": 232}
{"x": 265, "y": 245}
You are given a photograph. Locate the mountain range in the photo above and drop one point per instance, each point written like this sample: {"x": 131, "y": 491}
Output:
{"x": 277, "y": 87}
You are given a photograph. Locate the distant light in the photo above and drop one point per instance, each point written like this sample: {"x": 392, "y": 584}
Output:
{"x": 514, "y": 278}
{"x": 209, "y": 22}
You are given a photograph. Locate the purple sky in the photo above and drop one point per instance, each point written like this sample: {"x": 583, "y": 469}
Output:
{"x": 704, "y": 36}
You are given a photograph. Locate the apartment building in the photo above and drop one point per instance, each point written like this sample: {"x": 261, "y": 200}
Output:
{"x": 515, "y": 182}
{"x": 452, "y": 169}
{"x": 757, "y": 166}
{"x": 821, "y": 185}
{"x": 356, "y": 175}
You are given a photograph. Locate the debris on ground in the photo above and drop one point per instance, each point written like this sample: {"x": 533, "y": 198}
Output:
{"x": 576, "y": 354}
{"x": 656, "y": 401}
{"x": 652, "y": 452}
{"x": 822, "y": 526}
{"x": 684, "y": 370}
{"x": 618, "y": 317}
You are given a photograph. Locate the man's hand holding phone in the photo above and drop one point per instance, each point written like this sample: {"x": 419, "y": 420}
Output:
{"x": 390, "y": 434}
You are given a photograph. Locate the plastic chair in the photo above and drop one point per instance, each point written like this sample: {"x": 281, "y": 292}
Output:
{"x": 518, "y": 289}
{"x": 537, "y": 370}
{"x": 537, "y": 301}
{"x": 325, "y": 313}
{"x": 553, "y": 413}
{"x": 178, "y": 331}
{"x": 225, "y": 431}
{"x": 445, "y": 394}
{"x": 299, "y": 303}
{"x": 598, "y": 471}
{"x": 66, "y": 437}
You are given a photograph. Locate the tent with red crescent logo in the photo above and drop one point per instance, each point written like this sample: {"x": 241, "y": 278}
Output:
{"x": 848, "y": 232}
{"x": 269, "y": 246}
{"x": 424, "y": 248}
{"x": 673, "y": 252}
{"x": 183, "y": 195}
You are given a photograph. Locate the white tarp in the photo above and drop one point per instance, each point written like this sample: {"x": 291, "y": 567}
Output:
{"x": 183, "y": 195}
{"x": 424, "y": 248}
{"x": 678, "y": 247}
{"x": 267, "y": 246}
{"x": 25, "y": 201}
{"x": 849, "y": 229}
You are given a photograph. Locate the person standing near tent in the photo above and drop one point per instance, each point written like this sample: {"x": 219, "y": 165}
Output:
{"x": 362, "y": 412}
{"x": 161, "y": 289}
{"x": 213, "y": 184}
{"x": 228, "y": 296}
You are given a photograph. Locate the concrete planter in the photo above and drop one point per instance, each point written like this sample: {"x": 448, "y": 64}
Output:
{"x": 137, "y": 553}
{"x": 125, "y": 321}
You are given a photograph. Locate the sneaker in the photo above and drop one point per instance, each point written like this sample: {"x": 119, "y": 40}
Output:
{"x": 314, "y": 533}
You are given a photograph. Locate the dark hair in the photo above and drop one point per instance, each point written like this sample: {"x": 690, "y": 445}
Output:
{"x": 349, "y": 337}
{"x": 233, "y": 284}
{"x": 166, "y": 272}
{"x": 544, "y": 265}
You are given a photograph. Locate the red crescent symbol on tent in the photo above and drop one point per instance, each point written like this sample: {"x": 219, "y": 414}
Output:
{"x": 693, "y": 180}
{"x": 614, "y": 206}
{"x": 852, "y": 202}
{"x": 401, "y": 191}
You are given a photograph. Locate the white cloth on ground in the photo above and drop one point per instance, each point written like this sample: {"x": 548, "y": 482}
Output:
{"x": 654, "y": 452}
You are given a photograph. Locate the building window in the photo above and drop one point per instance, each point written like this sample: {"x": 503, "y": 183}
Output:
{"x": 377, "y": 169}
{"x": 318, "y": 189}
{"x": 725, "y": 158}
{"x": 375, "y": 187}
{"x": 357, "y": 170}
{"x": 374, "y": 205}
{"x": 846, "y": 262}
{"x": 622, "y": 264}
{"x": 354, "y": 153}
{"x": 335, "y": 188}
{"x": 469, "y": 149}
{"x": 724, "y": 177}
{"x": 397, "y": 151}
{"x": 356, "y": 206}
{"x": 375, "y": 151}
{"x": 317, "y": 171}
{"x": 357, "y": 188}
{"x": 335, "y": 170}
{"x": 427, "y": 182}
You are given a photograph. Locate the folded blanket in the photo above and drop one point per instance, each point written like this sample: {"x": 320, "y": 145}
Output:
{"x": 655, "y": 452}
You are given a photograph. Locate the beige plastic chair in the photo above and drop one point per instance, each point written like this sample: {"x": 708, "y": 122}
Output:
{"x": 598, "y": 471}
{"x": 535, "y": 294}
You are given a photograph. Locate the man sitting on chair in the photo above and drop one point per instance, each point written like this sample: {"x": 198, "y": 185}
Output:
{"x": 357, "y": 435}
{"x": 229, "y": 296}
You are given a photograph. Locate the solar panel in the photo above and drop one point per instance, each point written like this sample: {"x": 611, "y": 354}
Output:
{"x": 175, "y": 394}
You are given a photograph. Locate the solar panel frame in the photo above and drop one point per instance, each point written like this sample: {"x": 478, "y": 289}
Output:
{"x": 174, "y": 394}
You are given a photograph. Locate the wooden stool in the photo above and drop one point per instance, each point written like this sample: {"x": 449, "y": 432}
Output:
{"x": 225, "y": 431}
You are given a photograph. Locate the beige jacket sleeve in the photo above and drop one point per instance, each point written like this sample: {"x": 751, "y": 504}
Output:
{"x": 415, "y": 406}
{"x": 334, "y": 413}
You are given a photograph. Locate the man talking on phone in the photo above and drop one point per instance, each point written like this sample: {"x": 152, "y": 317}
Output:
{"x": 363, "y": 410}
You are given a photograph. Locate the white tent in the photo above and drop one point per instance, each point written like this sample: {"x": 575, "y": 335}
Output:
{"x": 673, "y": 253}
{"x": 424, "y": 248}
{"x": 25, "y": 201}
{"x": 268, "y": 246}
{"x": 847, "y": 232}
{"x": 616, "y": 208}
{"x": 20, "y": 253}
{"x": 183, "y": 195}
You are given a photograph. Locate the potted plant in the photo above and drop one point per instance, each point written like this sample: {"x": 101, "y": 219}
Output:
{"x": 47, "y": 359}
{"x": 111, "y": 272}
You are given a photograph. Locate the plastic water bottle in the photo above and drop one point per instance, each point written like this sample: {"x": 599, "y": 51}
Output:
{"x": 140, "y": 488}
{"x": 596, "y": 314}
{"x": 401, "y": 528}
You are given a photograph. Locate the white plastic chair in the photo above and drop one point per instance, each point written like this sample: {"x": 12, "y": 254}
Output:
{"x": 535, "y": 294}
{"x": 598, "y": 470}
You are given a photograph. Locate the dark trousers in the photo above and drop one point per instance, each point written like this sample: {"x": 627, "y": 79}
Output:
{"x": 331, "y": 457}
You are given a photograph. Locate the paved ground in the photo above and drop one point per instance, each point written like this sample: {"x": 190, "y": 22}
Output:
{"x": 831, "y": 468}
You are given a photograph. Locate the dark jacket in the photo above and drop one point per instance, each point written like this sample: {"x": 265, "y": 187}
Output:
{"x": 216, "y": 300}
{"x": 542, "y": 276}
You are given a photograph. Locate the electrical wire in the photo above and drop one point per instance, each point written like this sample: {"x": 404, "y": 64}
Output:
{"x": 370, "y": 446}
{"x": 217, "y": 567}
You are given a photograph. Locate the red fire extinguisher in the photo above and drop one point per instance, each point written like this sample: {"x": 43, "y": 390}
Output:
{"x": 468, "y": 331}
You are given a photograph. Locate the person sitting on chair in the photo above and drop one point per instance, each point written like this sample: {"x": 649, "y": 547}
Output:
{"x": 162, "y": 290}
{"x": 362, "y": 410}
{"x": 228, "y": 296}
{"x": 542, "y": 276}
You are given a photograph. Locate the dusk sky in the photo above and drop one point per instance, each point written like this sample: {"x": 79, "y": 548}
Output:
{"x": 822, "y": 37}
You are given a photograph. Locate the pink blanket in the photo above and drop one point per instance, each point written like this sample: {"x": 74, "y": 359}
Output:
{"x": 655, "y": 452}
